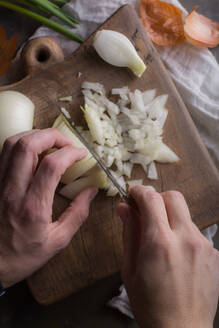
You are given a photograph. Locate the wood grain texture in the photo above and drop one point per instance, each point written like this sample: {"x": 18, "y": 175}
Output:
{"x": 96, "y": 250}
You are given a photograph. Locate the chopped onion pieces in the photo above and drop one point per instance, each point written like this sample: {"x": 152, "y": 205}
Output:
{"x": 67, "y": 99}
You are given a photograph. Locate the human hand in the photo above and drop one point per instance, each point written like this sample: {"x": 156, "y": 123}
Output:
{"x": 28, "y": 237}
{"x": 170, "y": 269}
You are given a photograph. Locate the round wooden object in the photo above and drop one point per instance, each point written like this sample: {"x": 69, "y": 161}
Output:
{"x": 40, "y": 53}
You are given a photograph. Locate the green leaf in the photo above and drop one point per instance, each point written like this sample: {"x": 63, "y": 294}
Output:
{"x": 45, "y": 21}
{"x": 54, "y": 11}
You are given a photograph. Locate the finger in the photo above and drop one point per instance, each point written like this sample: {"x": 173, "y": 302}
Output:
{"x": 130, "y": 239}
{"x": 51, "y": 169}
{"x": 7, "y": 149}
{"x": 24, "y": 156}
{"x": 177, "y": 209}
{"x": 151, "y": 207}
{"x": 70, "y": 221}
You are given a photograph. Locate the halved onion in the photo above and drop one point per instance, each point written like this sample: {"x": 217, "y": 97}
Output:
{"x": 81, "y": 167}
{"x": 78, "y": 169}
{"x": 97, "y": 179}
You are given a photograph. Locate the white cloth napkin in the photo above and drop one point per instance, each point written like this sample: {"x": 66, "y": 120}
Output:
{"x": 194, "y": 71}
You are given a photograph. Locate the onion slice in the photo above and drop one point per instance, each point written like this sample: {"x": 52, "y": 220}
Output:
{"x": 98, "y": 179}
{"x": 201, "y": 31}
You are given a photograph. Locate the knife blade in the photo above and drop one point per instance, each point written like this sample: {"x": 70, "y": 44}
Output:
{"x": 67, "y": 118}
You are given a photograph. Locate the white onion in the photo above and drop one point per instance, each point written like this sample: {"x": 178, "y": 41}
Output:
{"x": 166, "y": 155}
{"x": 116, "y": 49}
{"x": 16, "y": 114}
{"x": 122, "y": 92}
{"x": 67, "y": 99}
{"x": 135, "y": 182}
{"x": 148, "y": 96}
{"x": 95, "y": 86}
{"x": 94, "y": 124}
{"x": 81, "y": 167}
{"x": 152, "y": 172}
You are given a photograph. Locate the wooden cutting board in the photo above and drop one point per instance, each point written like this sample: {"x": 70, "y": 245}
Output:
{"x": 96, "y": 250}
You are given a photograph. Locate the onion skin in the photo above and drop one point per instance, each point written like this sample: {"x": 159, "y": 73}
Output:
{"x": 16, "y": 114}
{"x": 163, "y": 22}
{"x": 201, "y": 31}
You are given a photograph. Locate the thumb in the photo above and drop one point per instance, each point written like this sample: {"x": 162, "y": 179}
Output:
{"x": 130, "y": 239}
{"x": 71, "y": 220}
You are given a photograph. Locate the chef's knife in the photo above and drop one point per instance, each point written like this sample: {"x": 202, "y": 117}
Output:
{"x": 67, "y": 118}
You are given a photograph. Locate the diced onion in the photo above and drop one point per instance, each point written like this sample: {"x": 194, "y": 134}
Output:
{"x": 135, "y": 182}
{"x": 129, "y": 132}
{"x": 152, "y": 172}
{"x": 166, "y": 155}
{"x": 124, "y": 134}
{"x": 67, "y": 99}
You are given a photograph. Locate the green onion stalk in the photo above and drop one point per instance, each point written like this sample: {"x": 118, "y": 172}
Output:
{"x": 46, "y": 7}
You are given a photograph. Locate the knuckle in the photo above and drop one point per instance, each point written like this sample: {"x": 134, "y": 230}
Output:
{"x": 157, "y": 246}
{"x": 50, "y": 164}
{"x": 195, "y": 245}
{"x": 55, "y": 132}
{"x": 173, "y": 195}
{"x": 23, "y": 145}
{"x": 161, "y": 246}
{"x": 9, "y": 143}
{"x": 152, "y": 195}
{"x": 29, "y": 209}
{"x": 9, "y": 199}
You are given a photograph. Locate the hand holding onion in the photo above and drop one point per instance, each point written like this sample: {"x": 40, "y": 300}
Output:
{"x": 28, "y": 237}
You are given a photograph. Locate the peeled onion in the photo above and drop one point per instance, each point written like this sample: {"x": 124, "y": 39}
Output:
{"x": 116, "y": 49}
{"x": 16, "y": 114}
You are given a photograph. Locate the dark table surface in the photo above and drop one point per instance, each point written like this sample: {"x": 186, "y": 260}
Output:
{"x": 87, "y": 308}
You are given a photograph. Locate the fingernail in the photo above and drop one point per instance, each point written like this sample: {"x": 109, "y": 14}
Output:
{"x": 92, "y": 193}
